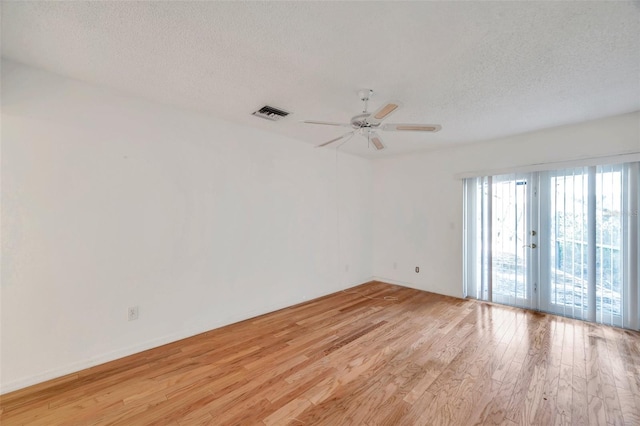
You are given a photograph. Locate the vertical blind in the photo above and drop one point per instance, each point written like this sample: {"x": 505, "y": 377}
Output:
{"x": 562, "y": 241}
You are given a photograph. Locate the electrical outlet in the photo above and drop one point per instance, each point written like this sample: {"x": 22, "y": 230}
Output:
{"x": 132, "y": 313}
{"x": 395, "y": 265}
{"x": 346, "y": 268}
{"x": 417, "y": 269}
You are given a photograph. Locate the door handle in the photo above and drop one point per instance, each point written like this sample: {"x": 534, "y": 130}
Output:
{"x": 532, "y": 245}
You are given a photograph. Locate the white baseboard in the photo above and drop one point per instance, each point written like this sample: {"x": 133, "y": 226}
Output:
{"x": 149, "y": 344}
{"x": 395, "y": 282}
{"x": 411, "y": 285}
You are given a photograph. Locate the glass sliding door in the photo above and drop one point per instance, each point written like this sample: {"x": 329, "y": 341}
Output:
{"x": 563, "y": 241}
{"x": 583, "y": 277}
{"x": 564, "y": 208}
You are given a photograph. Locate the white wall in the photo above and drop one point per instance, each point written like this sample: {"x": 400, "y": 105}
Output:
{"x": 418, "y": 206}
{"x": 110, "y": 202}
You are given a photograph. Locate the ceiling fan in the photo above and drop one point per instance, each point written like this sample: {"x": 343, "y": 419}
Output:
{"x": 368, "y": 123}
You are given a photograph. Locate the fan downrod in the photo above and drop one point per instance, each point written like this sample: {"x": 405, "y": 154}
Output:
{"x": 365, "y": 95}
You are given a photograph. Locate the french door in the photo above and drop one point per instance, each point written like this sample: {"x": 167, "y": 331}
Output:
{"x": 513, "y": 240}
{"x": 503, "y": 264}
{"x": 563, "y": 241}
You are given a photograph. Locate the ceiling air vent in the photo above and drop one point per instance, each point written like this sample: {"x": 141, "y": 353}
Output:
{"x": 270, "y": 113}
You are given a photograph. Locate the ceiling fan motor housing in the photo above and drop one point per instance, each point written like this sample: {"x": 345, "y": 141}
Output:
{"x": 360, "y": 121}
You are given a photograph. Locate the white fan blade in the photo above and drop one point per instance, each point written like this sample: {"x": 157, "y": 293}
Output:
{"x": 334, "y": 140}
{"x": 400, "y": 127}
{"x": 327, "y": 123}
{"x": 383, "y": 112}
{"x": 376, "y": 140}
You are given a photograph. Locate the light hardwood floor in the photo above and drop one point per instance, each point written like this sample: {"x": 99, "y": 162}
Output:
{"x": 423, "y": 359}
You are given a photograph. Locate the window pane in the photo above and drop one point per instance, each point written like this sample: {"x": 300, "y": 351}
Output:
{"x": 609, "y": 222}
{"x": 569, "y": 242}
{"x": 509, "y": 235}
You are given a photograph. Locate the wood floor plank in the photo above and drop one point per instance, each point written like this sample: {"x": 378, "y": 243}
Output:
{"x": 614, "y": 376}
{"x": 565, "y": 395}
{"x": 580, "y": 396}
{"x": 529, "y": 351}
{"x": 494, "y": 412}
{"x": 376, "y": 354}
{"x": 548, "y": 404}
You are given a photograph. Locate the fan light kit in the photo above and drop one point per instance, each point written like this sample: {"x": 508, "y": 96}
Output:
{"x": 367, "y": 123}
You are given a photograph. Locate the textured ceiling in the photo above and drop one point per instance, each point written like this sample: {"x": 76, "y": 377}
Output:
{"x": 482, "y": 70}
